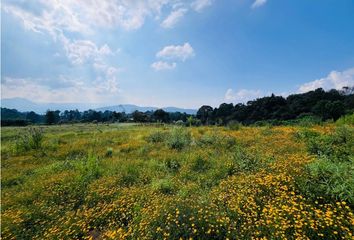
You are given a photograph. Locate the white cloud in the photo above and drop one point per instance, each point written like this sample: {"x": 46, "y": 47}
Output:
{"x": 86, "y": 16}
{"x": 199, "y": 5}
{"x": 180, "y": 52}
{"x": 83, "y": 16}
{"x": 258, "y": 3}
{"x": 80, "y": 51}
{"x": 242, "y": 95}
{"x": 40, "y": 91}
{"x": 173, "y": 18}
{"x": 334, "y": 80}
{"x": 160, "y": 65}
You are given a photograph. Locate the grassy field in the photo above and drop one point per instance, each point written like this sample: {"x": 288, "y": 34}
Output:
{"x": 121, "y": 181}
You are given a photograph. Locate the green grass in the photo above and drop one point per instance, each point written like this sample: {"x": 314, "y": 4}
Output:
{"x": 129, "y": 181}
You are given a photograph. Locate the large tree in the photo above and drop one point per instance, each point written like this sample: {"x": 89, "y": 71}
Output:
{"x": 161, "y": 116}
{"x": 205, "y": 114}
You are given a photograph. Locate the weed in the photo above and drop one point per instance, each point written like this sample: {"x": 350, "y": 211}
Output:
{"x": 164, "y": 186}
{"x": 109, "y": 152}
{"x": 173, "y": 165}
{"x": 32, "y": 138}
{"x": 200, "y": 164}
{"x": 156, "y": 137}
{"x": 179, "y": 138}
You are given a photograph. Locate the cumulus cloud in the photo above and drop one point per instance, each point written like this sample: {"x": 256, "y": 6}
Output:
{"x": 179, "y": 52}
{"x": 258, "y": 3}
{"x": 85, "y": 16}
{"x": 199, "y": 5}
{"x": 80, "y": 51}
{"x": 160, "y": 65}
{"x": 242, "y": 95}
{"x": 173, "y": 18}
{"x": 74, "y": 90}
{"x": 334, "y": 80}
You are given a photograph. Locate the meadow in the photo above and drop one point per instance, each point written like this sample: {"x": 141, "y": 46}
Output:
{"x": 131, "y": 181}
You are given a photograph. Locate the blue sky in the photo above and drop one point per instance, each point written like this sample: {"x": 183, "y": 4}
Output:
{"x": 173, "y": 52}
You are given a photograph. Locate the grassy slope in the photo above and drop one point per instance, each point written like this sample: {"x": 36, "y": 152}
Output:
{"x": 89, "y": 181}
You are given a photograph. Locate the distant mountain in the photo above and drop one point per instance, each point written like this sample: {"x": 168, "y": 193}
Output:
{"x": 25, "y": 105}
{"x": 129, "y": 108}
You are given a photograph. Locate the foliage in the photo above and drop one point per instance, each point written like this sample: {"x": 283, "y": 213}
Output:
{"x": 346, "y": 120}
{"x": 178, "y": 138}
{"x": 164, "y": 186}
{"x": 328, "y": 180}
{"x": 253, "y": 183}
{"x": 305, "y": 109}
{"x": 173, "y": 165}
{"x": 109, "y": 152}
{"x": 30, "y": 138}
{"x": 234, "y": 125}
{"x": 331, "y": 176}
{"x": 156, "y": 137}
{"x": 243, "y": 161}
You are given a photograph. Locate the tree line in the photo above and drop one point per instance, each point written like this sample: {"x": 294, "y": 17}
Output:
{"x": 319, "y": 104}
{"x": 12, "y": 117}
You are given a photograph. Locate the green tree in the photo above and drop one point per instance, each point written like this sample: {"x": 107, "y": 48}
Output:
{"x": 205, "y": 114}
{"x": 50, "y": 117}
{"x": 161, "y": 115}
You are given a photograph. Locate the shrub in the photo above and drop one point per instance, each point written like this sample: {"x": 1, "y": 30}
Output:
{"x": 243, "y": 162}
{"x": 180, "y": 123}
{"x": 216, "y": 140}
{"x": 234, "y": 125}
{"x": 337, "y": 146}
{"x": 305, "y": 134}
{"x": 172, "y": 165}
{"x": 156, "y": 137}
{"x": 164, "y": 186}
{"x": 330, "y": 180}
{"x": 178, "y": 138}
{"x": 200, "y": 164}
{"x": 89, "y": 168}
{"x": 129, "y": 176}
{"x": 347, "y": 119}
{"x": 109, "y": 152}
{"x": 32, "y": 138}
{"x": 308, "y": 120}
{"x": 331, "y": 175}
{"x": 208, "y": 139}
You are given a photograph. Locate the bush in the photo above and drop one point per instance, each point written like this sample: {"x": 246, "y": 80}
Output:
{"x": 305, "y": 134}
{"x": 234, "y": 125}
{"x": 130, "y": 176}
{"x": 179, "y": 138}
{"x": 338, "y": 146}
{"x": 243, "y": 162}
{"x": 208, "y": 139}
{"x": 331, "y": 175}
{"x": 172, "y": 165}
{"x": 164, "y": 186}
{"x": 32, "y": 138}
{"x": 200, "y": 164}
{"x": 308, "y": 120}
{"x": 89, "y": 168}
{"x": 347, "y": 119}
{"x": 330, "y": 180}
{"x": 109, "y": 152}
{"x": 156, "y": 137}
{"x": 216, "y": 140}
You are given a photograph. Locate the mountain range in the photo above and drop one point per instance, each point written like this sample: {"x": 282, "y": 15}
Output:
{"x": 25, "y": 105}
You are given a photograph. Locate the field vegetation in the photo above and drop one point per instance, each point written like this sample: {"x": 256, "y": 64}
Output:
{"x": 131, "y": 181}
